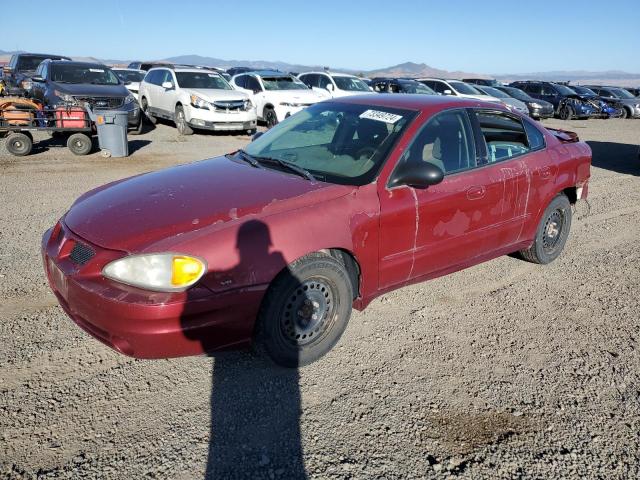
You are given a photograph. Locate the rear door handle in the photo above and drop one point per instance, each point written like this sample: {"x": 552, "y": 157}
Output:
{"x": 475, "y": 193}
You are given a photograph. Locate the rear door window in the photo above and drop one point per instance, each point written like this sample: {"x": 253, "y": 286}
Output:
{"x": 505, "y": 136}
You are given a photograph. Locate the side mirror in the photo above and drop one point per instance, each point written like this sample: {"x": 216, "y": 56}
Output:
{"x": 167, "y": 85}
{"x": 38, "y": 79}
{"x": 448, "y": 92}
{"x": 256, "y": 136}
{"x": 329, "y": 87}
{"x": 417, "y": 175}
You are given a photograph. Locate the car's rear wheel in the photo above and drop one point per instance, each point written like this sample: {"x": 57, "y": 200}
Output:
{"x": 305, "y": 310}
{"x": 181, "y": 122}
{"x": 79, "y": 144}
{"x": 552, "y": 233}
{"x": 270, "y": 117}
{"x": 566, "y": 112}
{"x": 19, "y": 144}
{"x": 144, "y": 106}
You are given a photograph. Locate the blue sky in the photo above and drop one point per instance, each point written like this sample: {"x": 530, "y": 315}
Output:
{"x": 475, "y": 36}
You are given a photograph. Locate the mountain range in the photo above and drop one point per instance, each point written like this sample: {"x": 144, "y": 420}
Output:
{"x": 406, "y": 69}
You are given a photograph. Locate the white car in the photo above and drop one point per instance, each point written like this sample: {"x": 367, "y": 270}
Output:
{"x": 131, "y": 78}
{"x": 456, "y": 88}
{"x": 195, "y": 98}
{"x": 276, "y": 95}
{"x": 335, "y": 84}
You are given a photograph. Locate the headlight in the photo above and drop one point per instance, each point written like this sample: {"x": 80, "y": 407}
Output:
{"x": 163, "y": 272}
{"x": 247, "y": 104}
{"x": 129, "y": 99}
{"x": 198, "y": 102}
{"x": 26, "y": 84}
{"x": 536, "y": 105}
{"x": 637, "y": 105}
{"x": 65, "y": 97}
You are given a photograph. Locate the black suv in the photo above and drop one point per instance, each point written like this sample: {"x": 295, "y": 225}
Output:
{"x": 20, "y": 69}
{"x": 566, "y": 102}
{"x": 399, "y": 85}
{"x": 64, "y": 83}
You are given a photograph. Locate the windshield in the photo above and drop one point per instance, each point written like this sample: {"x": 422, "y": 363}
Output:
{"x": 30, "y": 63}
{"x": 337, "y": 142}
{"x": 493, "y": 92}
{"x": 564, "y": 90}
{"x": 465, "y": 88}
{"x": 584, "y": 91}
{"x": 351, "y": 84}
{"x": 417, "y": 87}
{"x": 283, "y": 83}
{"x": 74, "y": 73}
{"x": 622, "y": 93}
{"x": 202, "y": 80}
{"x": 128, "y": 76}
{"x": 519, "y": 94}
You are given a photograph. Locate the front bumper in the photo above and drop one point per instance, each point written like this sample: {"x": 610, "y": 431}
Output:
{"x": 222, "y": 121}
{"x": 541, "y": 113}
{"x": 141, "y": 323}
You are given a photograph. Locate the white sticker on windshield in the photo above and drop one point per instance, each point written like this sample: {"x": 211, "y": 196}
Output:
{"x": 385, "y": 117}
{"x": 212, "y": 75}
{"x": 96, "y": 70}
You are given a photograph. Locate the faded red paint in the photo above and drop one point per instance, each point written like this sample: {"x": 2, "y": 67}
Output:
{"x": 398, "y": 236}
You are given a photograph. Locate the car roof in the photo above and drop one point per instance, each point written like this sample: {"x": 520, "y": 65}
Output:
{"x": 333, "y": 74}
{"x": 416, "y": 101}
{"x": 267, "y": 73}
{"x": 48, "y": 55}
{"x": 79, "y": 64}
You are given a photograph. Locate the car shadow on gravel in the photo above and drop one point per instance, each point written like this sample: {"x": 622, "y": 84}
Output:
{"x": 617, "y": 157}
{"x": 135, "y": 145}
{"x": 255, "y": 405}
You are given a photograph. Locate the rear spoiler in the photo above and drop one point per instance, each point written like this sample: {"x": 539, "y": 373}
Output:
{"x": 564, "y": 135}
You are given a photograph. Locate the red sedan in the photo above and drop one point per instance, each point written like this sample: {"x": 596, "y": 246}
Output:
{"x": 333, "y": 207}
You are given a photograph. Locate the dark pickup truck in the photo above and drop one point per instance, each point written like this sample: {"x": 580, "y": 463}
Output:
{"x": 21, "y": 68}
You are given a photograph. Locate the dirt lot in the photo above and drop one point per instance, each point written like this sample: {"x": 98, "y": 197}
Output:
{"x": 504, "y": 370}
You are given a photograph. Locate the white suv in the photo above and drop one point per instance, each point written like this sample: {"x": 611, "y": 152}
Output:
{"x": 457, "y": 89}
{"x": 195, "y": 98}
{"x": 276, "y": 95}
{"x": 335, "y": 84}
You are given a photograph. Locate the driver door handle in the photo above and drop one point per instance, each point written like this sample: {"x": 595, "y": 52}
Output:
{"x": 476, "y": 192}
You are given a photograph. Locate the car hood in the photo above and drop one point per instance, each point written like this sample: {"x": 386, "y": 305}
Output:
{"x": 135, "y": 86}
{"x": 134, "y": 213}
{"x": 215, "y": 94}
{"x": 514, "y": 102}
{"x": 486, "y": 98}
{"x": 295, "y": 96}
{"x": 89, "y": 90}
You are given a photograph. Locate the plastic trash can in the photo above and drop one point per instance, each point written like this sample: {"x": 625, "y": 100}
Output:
{"x": 112, "y": 131}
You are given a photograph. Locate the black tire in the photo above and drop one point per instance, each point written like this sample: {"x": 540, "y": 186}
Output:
{"x": 270, "y": 117}
{"x": 552, "y": 232}
{"x": 566, "y": 112}
{"x": 139, "y": 129}
{"x": 305, "y": 310}
{"x": 624, "y": 113}
{"x": 181, "y": 122}
{"x": 144, "y": 107}
{"x": 19, "y": 144}
{"x": 79, "y": 144}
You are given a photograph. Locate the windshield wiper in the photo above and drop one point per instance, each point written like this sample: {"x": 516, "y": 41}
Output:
{"x": 290, "y": 166}
{"x": 248, "y": 158}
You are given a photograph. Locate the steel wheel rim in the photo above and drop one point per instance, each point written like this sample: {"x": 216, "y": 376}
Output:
{"x": 181, "y": 120}
{"x": 309, "y": 312}
{"x": 552, "y": 232}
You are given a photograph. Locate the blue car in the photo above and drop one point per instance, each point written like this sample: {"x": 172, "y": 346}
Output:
{"x": 567, "y": 103}
{"x": 608, "y": 107}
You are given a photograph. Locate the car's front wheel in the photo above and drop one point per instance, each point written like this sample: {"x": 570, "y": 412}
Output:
{"x": 305, "y": 310}
{"x": 552, "y": 232}
{"x": 181, "y": 122}
{"x": 566, "y": 112}
{"x": 144, "y": 107}
{"x": 270, "y": 117}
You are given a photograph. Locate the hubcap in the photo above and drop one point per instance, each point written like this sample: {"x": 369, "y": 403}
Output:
{"x": 552, "y": 230}
{"x": 309, "y": 312}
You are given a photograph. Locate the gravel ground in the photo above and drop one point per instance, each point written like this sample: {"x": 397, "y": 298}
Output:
{"x": 504, "y": 370}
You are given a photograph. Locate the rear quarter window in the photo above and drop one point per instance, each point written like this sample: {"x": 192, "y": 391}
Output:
{"x": 534, "y": 136}
{"x": 504, "y": 136}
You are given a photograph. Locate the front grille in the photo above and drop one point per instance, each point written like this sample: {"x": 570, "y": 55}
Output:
{"x": 81, "y": 253}
{"x": 101, "y": 102}
{"x": 231, "y": 106}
